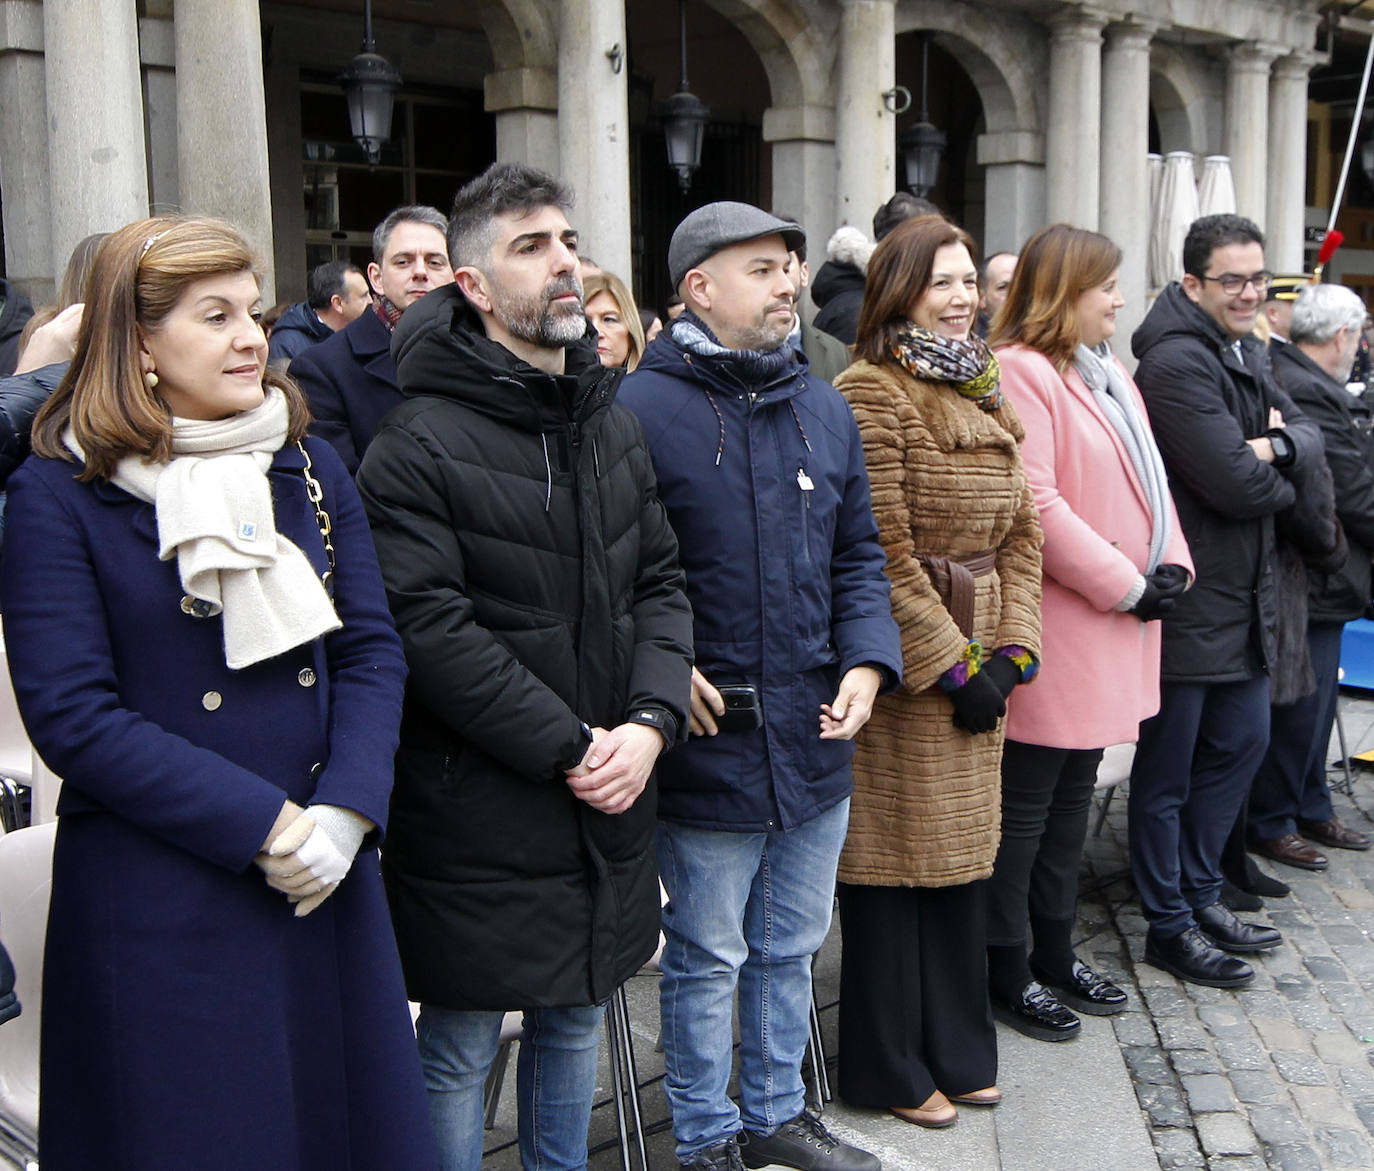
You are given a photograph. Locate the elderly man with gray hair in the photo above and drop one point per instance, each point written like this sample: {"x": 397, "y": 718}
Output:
{"x": 1290, "y": 807}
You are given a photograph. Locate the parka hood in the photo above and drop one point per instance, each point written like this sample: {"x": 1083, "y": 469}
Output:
{"x": 441, "y": 349}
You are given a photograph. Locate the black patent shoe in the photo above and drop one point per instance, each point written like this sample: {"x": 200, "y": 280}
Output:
{"x": 1084, "y": 990}
{"x": 1037, "y": 1013}
{"x": 1191, "y": 956}
{"x": 1230, "y": 934}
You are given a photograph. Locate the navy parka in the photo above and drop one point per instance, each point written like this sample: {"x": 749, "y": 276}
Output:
{"x": 767, "y": 491}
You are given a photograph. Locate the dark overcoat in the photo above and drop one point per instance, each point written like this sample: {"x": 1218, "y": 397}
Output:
{"x": 350, "y": 382}
{"x": 189, "y": 1019}
{"x": 1205, "y": 401}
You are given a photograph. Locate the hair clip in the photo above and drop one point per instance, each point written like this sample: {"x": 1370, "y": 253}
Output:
{"x": 149, "y": 242}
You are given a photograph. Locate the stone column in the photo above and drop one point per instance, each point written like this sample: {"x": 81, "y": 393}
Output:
{"x": 594, "y": 128}
{"x": 24, "y": 151}
{"x": 865, "y": 143}
{"x": 1073, "y": 131}
{"x": 222, "y": 121}
{"x": 96, "y": 158}
{"x": 803, "y": 142}
{"x": 1246, "y": 137}
{"x": 1287, "y": 199}
{"x": 525, "y": 102}
{"x": 1125, "y": 188}
{"x": 1015, "y": 178}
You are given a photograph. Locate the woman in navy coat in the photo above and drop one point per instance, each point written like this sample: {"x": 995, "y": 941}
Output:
{"x": 221, "y": 987}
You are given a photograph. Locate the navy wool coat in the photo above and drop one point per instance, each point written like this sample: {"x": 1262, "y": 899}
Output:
{"x": 350, "y": 382}
{"x": 189, "y": 1019}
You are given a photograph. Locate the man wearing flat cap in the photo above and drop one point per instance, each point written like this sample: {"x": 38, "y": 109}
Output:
{"x": 761, "y": 469}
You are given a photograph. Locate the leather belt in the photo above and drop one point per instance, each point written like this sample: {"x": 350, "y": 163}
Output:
{"x": 953, "y": 579}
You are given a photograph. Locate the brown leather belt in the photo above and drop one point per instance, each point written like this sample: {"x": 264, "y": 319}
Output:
{"x": 953, "y": 577}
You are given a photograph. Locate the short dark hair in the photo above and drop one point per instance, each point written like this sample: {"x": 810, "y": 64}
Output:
{"x": 499, "y": 190}
{"x": 983, "y": 268}
{"x": 1216, "y": 231}
{"x": 413, "y": 213}
{"x": 327, "y": 281}
{"x": 902, "y": 206}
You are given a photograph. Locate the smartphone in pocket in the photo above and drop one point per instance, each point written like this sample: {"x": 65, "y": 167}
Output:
{"x": 743, "y": 710}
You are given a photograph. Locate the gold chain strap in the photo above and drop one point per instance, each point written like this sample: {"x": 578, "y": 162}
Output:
{"x": 315, "y": 490}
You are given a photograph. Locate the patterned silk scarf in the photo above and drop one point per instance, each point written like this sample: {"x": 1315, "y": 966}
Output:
{"x": 966, "y": 363}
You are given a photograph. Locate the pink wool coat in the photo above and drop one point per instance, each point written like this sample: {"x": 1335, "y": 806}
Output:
{"x": 1099, "y": 667}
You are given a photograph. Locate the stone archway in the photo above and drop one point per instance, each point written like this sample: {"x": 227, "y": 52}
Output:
{"x": 1179, "y": 100}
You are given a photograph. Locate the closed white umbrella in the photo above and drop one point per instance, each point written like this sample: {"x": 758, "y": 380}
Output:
{"x": 1216, "y": 191}
{"x": 1176, "y": 211}
{"x": 1155, "y": 165}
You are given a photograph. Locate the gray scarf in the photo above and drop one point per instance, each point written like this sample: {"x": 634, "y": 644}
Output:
{"x": 1113, "y": 396}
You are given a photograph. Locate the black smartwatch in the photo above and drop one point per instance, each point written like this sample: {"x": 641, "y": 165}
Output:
{"x": 1282, "y": 445}
{"x": 659, "y": 718}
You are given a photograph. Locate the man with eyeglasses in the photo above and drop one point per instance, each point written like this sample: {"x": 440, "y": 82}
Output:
{"x": 1232, "y": 442}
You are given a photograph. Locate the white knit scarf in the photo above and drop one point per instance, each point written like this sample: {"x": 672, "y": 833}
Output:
{"x": 214, "y": 514}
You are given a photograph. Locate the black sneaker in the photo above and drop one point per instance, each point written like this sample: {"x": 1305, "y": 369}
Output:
{"x": 804, "y": 1144}
{"x": 721, "y": 1157}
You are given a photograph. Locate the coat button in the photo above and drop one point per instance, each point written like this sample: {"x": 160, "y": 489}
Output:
{"x": 306, "y": 678}
{"x": 211, "y": 700}
{"x": 316, "y": 769}
{"x": 195, "y": 607}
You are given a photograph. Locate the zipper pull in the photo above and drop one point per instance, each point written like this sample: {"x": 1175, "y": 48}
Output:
{"x": 807, "y": 486}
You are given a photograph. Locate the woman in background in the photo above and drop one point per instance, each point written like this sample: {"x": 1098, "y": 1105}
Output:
{"x": 612, "y": 312}
{"x": 1114, "y": 560}
{"x": 201, "y": 649}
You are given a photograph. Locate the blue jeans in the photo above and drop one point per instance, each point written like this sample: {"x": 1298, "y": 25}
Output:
{"x": 555, "y": 1082}
{"x": 746, "y": 909}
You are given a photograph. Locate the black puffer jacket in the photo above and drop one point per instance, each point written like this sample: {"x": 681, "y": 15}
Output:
{"x": 534, "y": 580}
{"x": 1204, "y": 403}
{"x": 1346, "y": 593}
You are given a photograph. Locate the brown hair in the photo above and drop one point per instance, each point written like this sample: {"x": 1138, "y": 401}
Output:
{"x": 73, "y": 287}
{"x": 140, "y": 273}
{"x": 608, "y": 282}
{"x": 1056, "y": 267}
{"x": 898, "y": 273}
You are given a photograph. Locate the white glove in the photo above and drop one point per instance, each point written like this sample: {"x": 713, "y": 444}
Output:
{"x": 309, "y": 859}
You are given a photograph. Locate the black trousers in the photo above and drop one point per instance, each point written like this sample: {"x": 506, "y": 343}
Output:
{"x": 1046, "y": 800}
{"x": 914, "y": 1013}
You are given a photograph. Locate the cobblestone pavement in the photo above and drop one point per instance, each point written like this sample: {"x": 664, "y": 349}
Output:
{"x": 1280, "y": 1074}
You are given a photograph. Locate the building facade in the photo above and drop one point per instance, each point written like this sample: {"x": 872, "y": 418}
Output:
{"x": 233, "y": 107}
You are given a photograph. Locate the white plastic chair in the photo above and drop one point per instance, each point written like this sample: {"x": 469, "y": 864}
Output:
{"x": 25, "y": 882}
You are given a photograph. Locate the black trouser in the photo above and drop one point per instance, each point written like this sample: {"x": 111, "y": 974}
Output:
{"x": 1193, "y": 767}
{"x": 1291, "y": 781}
{"x": 1046, "y": 799}
{"x": 914, "y": 1013}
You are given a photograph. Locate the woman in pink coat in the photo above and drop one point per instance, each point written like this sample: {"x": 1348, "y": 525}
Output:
{"x": 1114, "y": 560}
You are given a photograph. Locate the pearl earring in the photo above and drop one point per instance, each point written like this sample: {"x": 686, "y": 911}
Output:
{"x": 151, "y": 378}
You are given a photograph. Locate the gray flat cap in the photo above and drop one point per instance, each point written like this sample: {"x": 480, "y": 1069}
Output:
{"x": 718, "y": 225}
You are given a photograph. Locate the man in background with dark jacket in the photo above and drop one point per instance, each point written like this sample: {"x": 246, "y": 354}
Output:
{"x": 338, "y": 294}
{"x": 15, "y": 310}
{"x": 534, "y": 581}
{"x": 350, "y": 378}
{"x": 1290, "y": 801}
{"x": 1230, "y": 439}
{"x": 762, "y": 471}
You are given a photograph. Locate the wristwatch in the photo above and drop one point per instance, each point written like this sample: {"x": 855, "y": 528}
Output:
{"x": 653, "y": 716}
{"x": 575, "y": 758}
{"x": 1282, "y": 445}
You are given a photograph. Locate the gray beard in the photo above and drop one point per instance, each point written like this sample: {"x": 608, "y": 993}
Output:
{"x": 533, "y": 319}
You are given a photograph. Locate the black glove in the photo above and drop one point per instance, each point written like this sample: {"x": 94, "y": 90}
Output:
{"x": 1162, "y": 589}
{"x": 978, "y": 704}
{"x": 1002, "y": 671}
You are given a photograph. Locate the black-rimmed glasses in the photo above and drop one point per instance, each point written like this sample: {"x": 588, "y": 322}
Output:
{"x": 1231, "y": 283}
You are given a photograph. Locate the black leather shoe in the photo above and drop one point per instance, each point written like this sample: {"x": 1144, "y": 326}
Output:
{"x": 1085, "y": 990}
{"x": 1191, "y": 956}
{"x": 1037, "y": 1013}
{"x": 1236, "y": 899}
{"x": 1230, "y": 934}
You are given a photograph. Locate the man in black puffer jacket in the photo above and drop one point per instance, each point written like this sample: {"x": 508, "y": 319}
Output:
{"x": 534, "y": 580}
{"x": 1232, "y": 443}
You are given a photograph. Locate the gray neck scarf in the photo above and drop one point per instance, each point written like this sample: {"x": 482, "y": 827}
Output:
{"x": 1113, "y": 396}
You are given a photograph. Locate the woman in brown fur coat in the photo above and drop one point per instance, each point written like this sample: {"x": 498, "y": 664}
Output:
{"x": 962, "y": 538}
